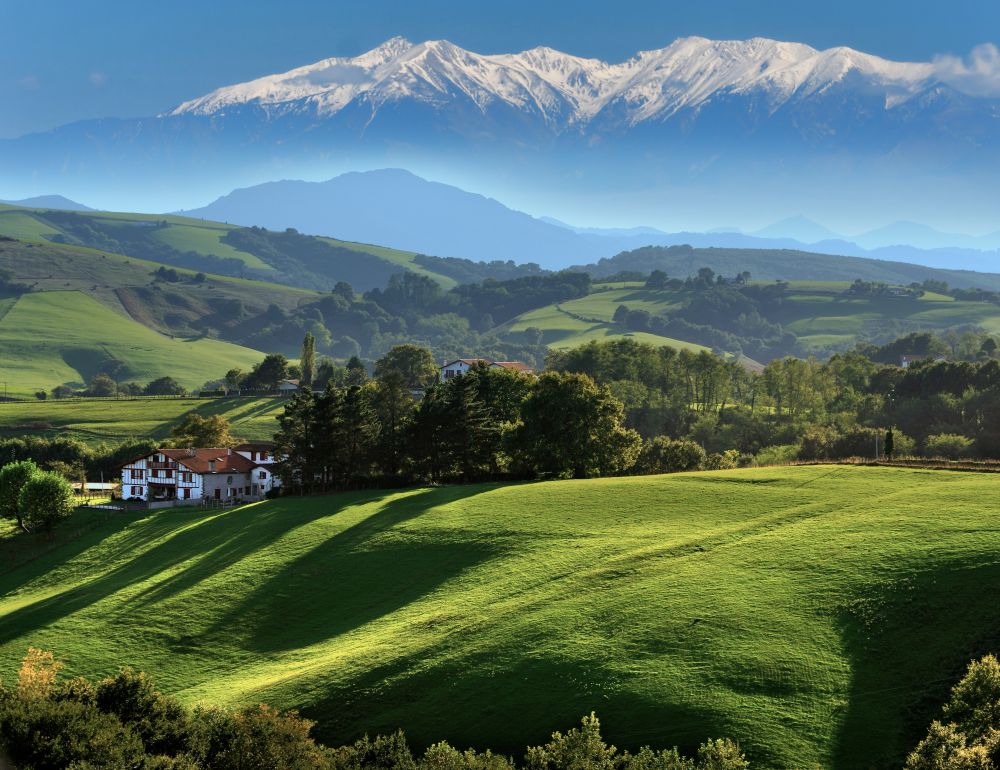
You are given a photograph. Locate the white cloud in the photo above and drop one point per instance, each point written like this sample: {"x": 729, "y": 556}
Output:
{"x": 30, "y": 82}
{"x": 97, "y": 79}
{"x": 978, "y": 74}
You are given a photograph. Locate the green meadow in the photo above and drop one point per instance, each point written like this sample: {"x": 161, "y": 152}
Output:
{"x": 109, "y": 420}
{"x": 58, "y": 337}
{"x": 817, "y": 614}
{"x": 817, "y": 312}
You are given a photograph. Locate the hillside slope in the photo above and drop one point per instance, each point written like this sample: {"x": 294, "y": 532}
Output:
{"x": 109, "y": 420}
{"x": 816, "y": 614}
{"x": 782, "y": 264}
{"x": 217, "y": 247}
{"x": 821, "y": 314}
{"x": 56, "y": 338}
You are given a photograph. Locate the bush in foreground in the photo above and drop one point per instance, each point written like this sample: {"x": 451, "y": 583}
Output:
{"x": 44, "y": 501}
{"x": 968, "y": 738}
{"x": 123, "y": 721}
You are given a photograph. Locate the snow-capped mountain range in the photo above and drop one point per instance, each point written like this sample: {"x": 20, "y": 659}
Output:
{"x": 566, "y": 91}
{"x": 684, "y": 137}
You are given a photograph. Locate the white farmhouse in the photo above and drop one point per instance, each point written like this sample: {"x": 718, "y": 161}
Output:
{"x": 460, "y": 366}
{"x": 171, "y": 476}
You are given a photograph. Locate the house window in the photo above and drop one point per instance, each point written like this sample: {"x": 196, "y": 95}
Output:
{"x": 170, "y": 474}
{"x": 262, "y": 475}
{"x": 135, "y": 474}
{"x": 263, "y": 455}
{"x": 136, "y": 491}
{"x": 187, "y": 494}
{"x": 156, "y": 474}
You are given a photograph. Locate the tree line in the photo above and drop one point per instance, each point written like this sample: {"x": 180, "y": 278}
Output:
{"x": 624, "y": 407}
{"x": 123, "y": 721}
{"x": 490, "y": 423}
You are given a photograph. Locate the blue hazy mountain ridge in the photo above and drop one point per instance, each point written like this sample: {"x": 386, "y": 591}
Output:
{"x": 393, "y": 207}
{"x": 48, "y": 202}
{"x": 738, "y": 128}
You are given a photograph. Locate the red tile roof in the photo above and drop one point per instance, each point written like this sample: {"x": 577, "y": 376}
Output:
{"x": 197, "y": 460}
{"x": 516, "y": 366}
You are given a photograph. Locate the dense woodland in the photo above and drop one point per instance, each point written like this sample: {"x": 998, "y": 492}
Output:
{"x": 624, "y": 407}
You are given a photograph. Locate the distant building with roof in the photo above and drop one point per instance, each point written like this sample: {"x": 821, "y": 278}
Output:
{"x": 460, "y": 366}
{"x": 227, "y": 474}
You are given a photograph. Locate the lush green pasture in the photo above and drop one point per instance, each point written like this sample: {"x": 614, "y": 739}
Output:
{"x": 816, "y": 614}
{"x": 398, "y": 257}
{"x": 206, "y": 239}
{"x": 818, "y": 312}
{"x": 561, "y": 330}
{"x": 108, "y": 420}
{"x": 57, "y": 337}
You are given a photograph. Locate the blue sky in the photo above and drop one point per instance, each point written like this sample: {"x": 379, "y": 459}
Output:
{"x": 68, "y": 60}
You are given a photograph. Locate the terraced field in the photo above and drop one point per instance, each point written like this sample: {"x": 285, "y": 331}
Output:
{"x": 816, "y": 614}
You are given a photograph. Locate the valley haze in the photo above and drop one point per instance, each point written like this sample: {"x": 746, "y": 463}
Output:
{"x": 684, "y": 138}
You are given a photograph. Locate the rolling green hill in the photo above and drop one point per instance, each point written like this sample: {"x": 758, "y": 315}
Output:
{"x": 565, "y": 325}
{"x": 214, "y": 247}
{"x": 819, "y": 313}
{"x": 109, "y": 420}
{"x": 782, "y": 264}
{"x": 66, "y": 337}
{"x": 816, "y": 614}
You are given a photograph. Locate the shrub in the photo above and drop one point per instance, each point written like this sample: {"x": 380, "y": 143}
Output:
{"x": 951, "y": 446}
{"x": 13, "y": 478}
{"x": 45, "y": 499}
{"x": 777, "y": 455}
{"x": 818, "y": 443}
{"x": 666, "y": 455}
{"x": 723, "y": 461}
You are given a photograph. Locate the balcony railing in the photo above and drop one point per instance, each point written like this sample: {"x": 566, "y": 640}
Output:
{"x": 169, "y": 464}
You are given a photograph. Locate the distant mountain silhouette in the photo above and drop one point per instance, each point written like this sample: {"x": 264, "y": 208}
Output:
{"x": 49, "y": 202}
{"x": 393, "y": 207}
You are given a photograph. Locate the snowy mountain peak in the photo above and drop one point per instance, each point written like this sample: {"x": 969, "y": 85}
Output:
{"x": 566, "y": 90}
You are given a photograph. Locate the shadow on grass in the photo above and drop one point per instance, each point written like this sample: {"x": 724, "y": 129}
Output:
{"x": 358, "y": 575}
{"x": 910, "y": 640}
{"x": 213, "y": 541}
{"x": 504, "y": 700}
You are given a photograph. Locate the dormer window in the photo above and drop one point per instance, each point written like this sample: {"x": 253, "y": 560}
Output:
{"x": 211, "y": 465}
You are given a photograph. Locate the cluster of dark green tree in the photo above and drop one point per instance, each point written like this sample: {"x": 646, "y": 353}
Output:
{"x": 123, "y": 721}
{"x": 796, "y": 408}
{"x": 489, "y": 423}
{"x": 967, "y": 737}
{"x": 103, "y": 385}
{"x": 76, "y": 461}
{"x": 35, "y": 499}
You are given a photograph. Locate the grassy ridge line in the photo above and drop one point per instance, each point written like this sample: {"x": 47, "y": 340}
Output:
{"x": 200, "y": 235}
{"x": 773, "y": 605}
{"x": 94, "y": 421}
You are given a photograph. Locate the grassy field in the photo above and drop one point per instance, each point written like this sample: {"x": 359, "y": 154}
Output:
{"x": 561, "y": 330}
{"x": 396, "y": 256}
{"x": 110, "y": 420}
{"x": 817, "y": 312}
{"x": 816, "y": 614}
{"x": 188, "y": 234}
{"x": 52, "y": 338}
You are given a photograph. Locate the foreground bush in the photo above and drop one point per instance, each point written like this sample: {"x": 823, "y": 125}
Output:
{"x": 124, "y": 722}
{"x": 950, "y": 446}
{"x": 969, "y": 736}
